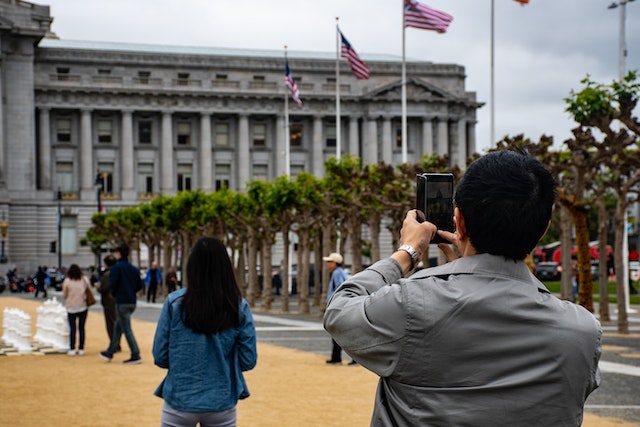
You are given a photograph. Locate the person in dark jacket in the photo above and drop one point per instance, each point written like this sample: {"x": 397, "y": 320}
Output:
{"x": 41, "y": 277}
{"x": 124, "y": 283}
{"x": 108, "y": 303}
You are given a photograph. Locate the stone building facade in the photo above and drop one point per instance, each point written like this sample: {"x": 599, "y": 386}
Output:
{"x": 155, "y": 119}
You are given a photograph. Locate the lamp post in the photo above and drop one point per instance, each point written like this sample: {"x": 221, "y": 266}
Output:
{"x": 59, "y": 223}
{"x": 4, "y": 226}
{"x": 99, "y": 186}
{"x": 622, "y": 46}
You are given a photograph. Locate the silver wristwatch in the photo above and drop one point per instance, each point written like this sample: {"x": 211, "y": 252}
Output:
{"x": 412, "y": 253}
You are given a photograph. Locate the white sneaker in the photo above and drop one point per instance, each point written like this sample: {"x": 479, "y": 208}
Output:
{"x": 80, "y": 352}
{"x": 71, "y": 353}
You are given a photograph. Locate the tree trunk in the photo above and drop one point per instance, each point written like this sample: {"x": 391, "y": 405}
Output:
{"x": 267, "y": 275}
{"x": 355, "y": 244}
{"x": 585, "y": 282}
{"x": 317, "y": 270}
{"x": 566, "y": 291}
{"x": 303, "y": 271}
{"x": 374, "y": 228}
{"x": 603, "y": 274}
{"x": 252, "y": 264}
{"x": 285, "y": 268}
{"x": 623, "y": 321}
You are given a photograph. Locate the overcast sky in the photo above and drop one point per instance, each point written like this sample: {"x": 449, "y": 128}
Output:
{"x": 542, "y": 50}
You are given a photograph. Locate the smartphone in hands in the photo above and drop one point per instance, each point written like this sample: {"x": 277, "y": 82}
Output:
{"x": 435, "y": 201}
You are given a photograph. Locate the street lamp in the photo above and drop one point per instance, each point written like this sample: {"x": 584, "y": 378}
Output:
{"x": 4, "y": 226}
{"x": 99, "y": 186}
{"x": 622, "y": 48}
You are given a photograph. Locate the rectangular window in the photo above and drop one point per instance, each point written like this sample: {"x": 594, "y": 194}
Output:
{"x": 68, "y": 235}
{"x": 295, "y": 170}
{"x": 145, "y": 178}
{"x": 330, "y": 135}
{"x": 64, "y": 176}
{"x": 63, "y": 130}
{"x": 261, "y": 172}
{"x": 184, "y": 177}
{"x": 144, "y": 132}
{"x": 222, "y": 134}
{"x": 143, "y": 77}
{"x": 63, "y": 74}
{"x": 104, "y": 72}
{"x": 183, "y": 79}
{"x": 259, "y": 134}
{"x": 295, "y": 135}
{"x": 106, "y": 169}
{"x": 399, "y": 138}
{"x": 221, "y": 77}
{"x": 258, "y": 78}
{"x": 223, "y": 176}
{"x": 105, "y": 130}
{"x": 184, "y": 133}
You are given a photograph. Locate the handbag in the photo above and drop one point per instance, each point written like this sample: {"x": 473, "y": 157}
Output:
{"x": 89, "y": 293}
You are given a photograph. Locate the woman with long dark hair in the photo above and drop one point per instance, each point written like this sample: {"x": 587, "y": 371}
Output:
{"x": 73, "y": 292}
{"x": 205, "y": 338}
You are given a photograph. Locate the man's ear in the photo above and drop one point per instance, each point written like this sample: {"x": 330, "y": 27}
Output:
{"x": 458, "y": 221}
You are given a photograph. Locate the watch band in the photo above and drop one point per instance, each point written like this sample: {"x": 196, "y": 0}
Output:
{"x": 412, "y": 253}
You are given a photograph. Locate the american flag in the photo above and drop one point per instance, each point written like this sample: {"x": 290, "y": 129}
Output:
{"x": 418, "y": 15}
{"x": 293, "y": 87}
{"x": 358, "y": 66}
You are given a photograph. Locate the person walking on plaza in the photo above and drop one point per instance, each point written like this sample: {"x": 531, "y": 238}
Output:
{"x": 478, "y": 340}
{"x": 124, "y": 283}
{"x": 153, "y": 279}
{"x": 74, "y": 289}
{"x": 41, "y": 282}
{"x": 337, "y": 277}
{"x": 171, "y": 280}
{"x": 205, "y": 338}
{"x": 107, "y": 301}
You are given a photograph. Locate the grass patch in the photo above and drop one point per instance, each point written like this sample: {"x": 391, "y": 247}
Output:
{"x": 554, "y": 287}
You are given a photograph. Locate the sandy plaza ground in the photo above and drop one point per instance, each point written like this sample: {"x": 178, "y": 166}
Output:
{"x": 288, "y": 387}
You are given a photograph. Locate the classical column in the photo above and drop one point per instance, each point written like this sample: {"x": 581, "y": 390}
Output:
{"x": 205, "y": 152}
{"x": 126, "y": 153}
{"x": 443, "y": 137}
{"x": 318, "y": 146}
{"x": 471, "y": 143}
{"x": 243, "y": 153}
{"x": 370, "y": 146}
{"x": 44, "y": 148}
{"x": 427, "y": 137}
{"x": 462, "y": 143}
{"x": 387, "y": 141}
{"x": 3, "y": 159}
{"x": 280, "y": 143}
{"x": 354, "y": 136}
{"x": 86, "y": 155}
{"x": 167, "y": 183}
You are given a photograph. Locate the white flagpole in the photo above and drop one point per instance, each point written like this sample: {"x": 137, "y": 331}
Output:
{"x": 287, "y": 133}
{"x": 492, "y": 89}
{"x": 338, "y": 120}
{"x": 404, "y": 91}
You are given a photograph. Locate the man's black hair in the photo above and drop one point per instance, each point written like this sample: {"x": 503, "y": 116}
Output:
{"x": 123, "y": 249}
{"x": 506, "y": 199}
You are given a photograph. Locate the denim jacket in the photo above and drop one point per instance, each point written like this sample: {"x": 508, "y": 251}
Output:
{"x": 204, "y": 371}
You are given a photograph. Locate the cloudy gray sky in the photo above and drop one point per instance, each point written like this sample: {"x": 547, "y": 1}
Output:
{"x": 542, "y": 50}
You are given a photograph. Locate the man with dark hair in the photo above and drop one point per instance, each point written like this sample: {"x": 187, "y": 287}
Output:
{"x": 478, "y": 340}
{"x": 124, "y": 283}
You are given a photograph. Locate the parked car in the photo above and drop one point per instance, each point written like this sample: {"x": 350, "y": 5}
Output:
{"x": 548, "y": 271}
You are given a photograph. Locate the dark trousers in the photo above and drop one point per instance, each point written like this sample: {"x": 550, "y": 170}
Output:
{"x": 151, "y": 292}
{"x": 41, "y": 288}
{"x": 336, "y": 352}
{"x": 110, "y": 318}
{"x": 81, "y": 317}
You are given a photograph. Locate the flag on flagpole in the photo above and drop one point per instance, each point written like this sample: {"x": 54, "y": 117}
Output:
{"x": 523, "y": 2}
{"x": 418, "y": 15}
{"x": 358, "y": 66}
{"x": 293, "y": 87}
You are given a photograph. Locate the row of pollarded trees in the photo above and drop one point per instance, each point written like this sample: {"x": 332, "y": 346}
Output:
{"x": 352, "y": 195}
{"x": 349, "y": 197}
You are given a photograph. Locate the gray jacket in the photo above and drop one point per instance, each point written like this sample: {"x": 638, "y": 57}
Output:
{"x": 478, "y": 341}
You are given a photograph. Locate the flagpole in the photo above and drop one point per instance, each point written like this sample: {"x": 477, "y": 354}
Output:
{"x": 404, "y": 90}
{"x": 338, "y": 116}
{"x": 492, "y": 85}
{"x": 287, "y": 135}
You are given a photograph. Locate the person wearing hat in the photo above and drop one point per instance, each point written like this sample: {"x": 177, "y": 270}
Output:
{"x": 334, "y": 265}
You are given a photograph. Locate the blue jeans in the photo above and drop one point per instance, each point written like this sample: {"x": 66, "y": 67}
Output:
{"x": 123, "y": 326}
{"x": 82, "y": 317}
